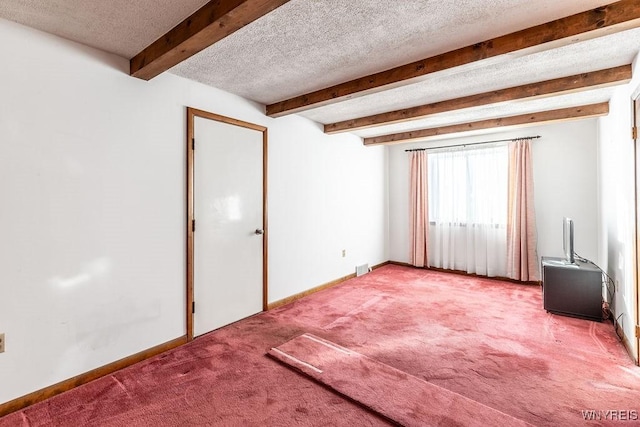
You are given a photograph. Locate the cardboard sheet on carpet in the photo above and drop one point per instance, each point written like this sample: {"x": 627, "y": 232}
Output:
{"x": 398, "y": 396}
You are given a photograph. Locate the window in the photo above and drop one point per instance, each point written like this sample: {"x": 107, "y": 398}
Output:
{"x": 469, "y": 187}
{"x": 468, "y": 206}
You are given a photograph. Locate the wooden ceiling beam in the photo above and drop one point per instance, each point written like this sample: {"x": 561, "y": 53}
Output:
{"x": 564, "y": 114}
{"x": 608, "y": 19}
{"x": 210, "y": 24}
{"x": 565, "y": 85}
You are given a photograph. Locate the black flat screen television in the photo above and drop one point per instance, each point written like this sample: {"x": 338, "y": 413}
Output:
{"x": 567, "y": 240}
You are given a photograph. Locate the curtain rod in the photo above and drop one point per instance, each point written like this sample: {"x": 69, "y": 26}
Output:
{"x": 474, "y": 143}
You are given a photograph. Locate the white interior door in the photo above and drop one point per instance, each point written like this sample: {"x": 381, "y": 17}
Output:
{"x": 228, "y": 212}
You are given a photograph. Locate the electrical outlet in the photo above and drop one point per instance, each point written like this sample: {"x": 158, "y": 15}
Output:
{"x": 344, "y": 253}
{"x": 1, "y": 343}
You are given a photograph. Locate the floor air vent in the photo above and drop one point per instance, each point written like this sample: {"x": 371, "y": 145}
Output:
{"x": 362, "y": 269}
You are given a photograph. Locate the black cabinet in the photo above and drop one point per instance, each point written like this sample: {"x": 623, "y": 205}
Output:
{"x": 572, "y": 289}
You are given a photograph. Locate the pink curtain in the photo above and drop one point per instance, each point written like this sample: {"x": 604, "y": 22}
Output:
{"x": 522, "y": 257}
{"x": 419, "y": 221}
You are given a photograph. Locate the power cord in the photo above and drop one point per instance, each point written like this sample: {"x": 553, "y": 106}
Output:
{"x": 609, "y": 282}
{"x": 616, "y": 323}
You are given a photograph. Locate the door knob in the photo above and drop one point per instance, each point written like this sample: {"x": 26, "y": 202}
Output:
{"x": 259, "y": 231}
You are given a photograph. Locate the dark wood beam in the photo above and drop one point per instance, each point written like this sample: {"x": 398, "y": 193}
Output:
{"x": 211, "y": 23}
{"x": 555, "y": 87}
{"x": 609, "y": 19}
{"x": 582, "y": 112}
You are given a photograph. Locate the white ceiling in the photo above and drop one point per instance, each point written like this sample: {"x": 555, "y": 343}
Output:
{"x": 610, "y": 51}
{"x": 123, "y": 27}
{"x": 306, "y": 45}
{"x": 492, "y": 111}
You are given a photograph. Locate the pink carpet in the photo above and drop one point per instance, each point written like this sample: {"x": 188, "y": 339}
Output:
{"x": 396, "y": 395}
{"x": 483, "y": 339}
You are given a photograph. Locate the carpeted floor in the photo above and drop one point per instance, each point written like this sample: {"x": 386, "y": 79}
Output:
{"x": 486, "y": 340}
{"x": 392, "y": 393}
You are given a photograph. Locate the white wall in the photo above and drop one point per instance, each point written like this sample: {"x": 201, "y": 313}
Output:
{"x": 565, "y": 184}
{"x": 326, "y": 194}
{"x": 617, "y": 210}
{"x": 92, "y": 220}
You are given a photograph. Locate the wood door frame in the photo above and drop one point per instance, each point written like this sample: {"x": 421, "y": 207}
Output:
{"x": 192, "y": 113}
{"x": 635, "y": 110}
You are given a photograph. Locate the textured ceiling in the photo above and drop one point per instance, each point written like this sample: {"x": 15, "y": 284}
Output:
{"x": 610, "y": 51}
{"x": 123, "y": 27}
{"x": 306, "y": 45}
{"x": 492, "y": 111}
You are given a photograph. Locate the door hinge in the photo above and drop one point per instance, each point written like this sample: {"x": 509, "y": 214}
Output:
{"x": 193, "y": 225}
{"x": 637, "y": 331}
{"x": 193, "y": 307}
{"x": 634, "y": 132}
{"x": 193, "y": 143}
